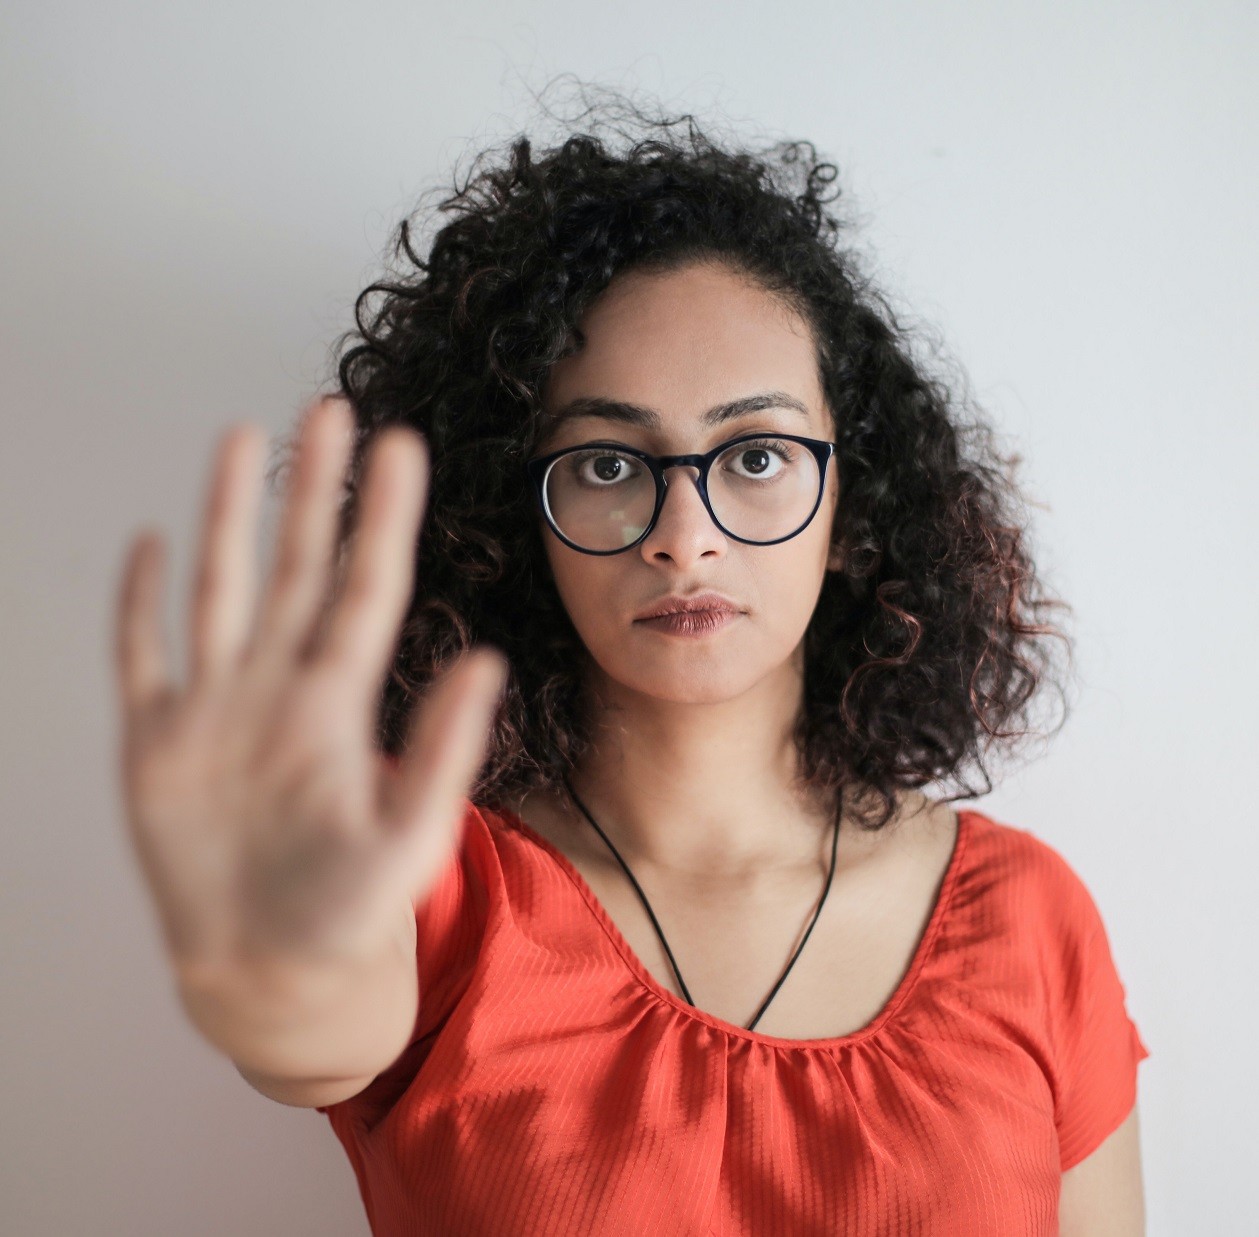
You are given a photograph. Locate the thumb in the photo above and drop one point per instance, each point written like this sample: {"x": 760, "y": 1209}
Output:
{"x": 445, "y": 751}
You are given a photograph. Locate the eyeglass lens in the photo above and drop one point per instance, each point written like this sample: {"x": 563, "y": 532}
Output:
{"x": 760, "y": 490}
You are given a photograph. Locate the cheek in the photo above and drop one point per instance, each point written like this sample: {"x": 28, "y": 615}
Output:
{"x": 789, "y": 582}
{"x": 585, "y": 584}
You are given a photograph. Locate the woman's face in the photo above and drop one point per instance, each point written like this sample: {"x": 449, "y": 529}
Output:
{"x": 678, "y": 344}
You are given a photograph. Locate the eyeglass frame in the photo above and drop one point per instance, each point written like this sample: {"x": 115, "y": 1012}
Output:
{"x": 538, "y": 468}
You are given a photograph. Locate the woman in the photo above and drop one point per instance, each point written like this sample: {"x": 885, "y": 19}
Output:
{"x": 647, "y": 928}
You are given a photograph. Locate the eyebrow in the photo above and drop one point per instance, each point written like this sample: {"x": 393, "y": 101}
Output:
{"x": 649, "y": 418}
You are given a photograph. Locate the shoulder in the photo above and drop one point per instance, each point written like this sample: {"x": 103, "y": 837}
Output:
{"x": 1029, "y": 876}
{"x": 1035, "y": 921}
{"x": 1019, "y": 853}
{"x": 502, "y": 841}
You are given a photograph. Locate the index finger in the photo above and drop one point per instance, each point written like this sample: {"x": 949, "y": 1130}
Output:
{"x": 366, "y": 617}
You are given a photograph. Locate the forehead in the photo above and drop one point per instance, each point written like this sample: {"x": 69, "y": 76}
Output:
{"x": 685, "y": 341}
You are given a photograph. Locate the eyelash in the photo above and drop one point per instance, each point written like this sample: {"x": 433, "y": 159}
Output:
{"x": 780, "y": 447}
{"x": 787, "y": 450}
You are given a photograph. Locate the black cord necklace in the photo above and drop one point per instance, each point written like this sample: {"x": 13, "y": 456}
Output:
{"x": 655, "y": 924}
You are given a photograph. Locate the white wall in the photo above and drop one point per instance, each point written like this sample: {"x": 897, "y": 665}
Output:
{"x": 192, "y": 196}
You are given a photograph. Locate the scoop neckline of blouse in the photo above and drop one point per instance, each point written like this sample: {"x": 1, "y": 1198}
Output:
{"x": 909, "y": 981}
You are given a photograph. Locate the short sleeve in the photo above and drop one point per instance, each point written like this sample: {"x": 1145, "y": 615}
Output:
{"x": 1097, "y": 1044}
{"x": 449, "y": 928}
{"x": 450, "y": 925}
{"x": 450, "y": 921}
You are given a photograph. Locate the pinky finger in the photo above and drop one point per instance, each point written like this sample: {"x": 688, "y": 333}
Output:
{"x": 143, "y": 661}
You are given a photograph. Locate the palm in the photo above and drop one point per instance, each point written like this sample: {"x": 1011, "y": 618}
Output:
{"x": 266, "y": 824}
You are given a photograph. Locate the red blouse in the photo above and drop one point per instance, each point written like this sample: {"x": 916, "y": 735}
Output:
{"x": 553, "y": 1085}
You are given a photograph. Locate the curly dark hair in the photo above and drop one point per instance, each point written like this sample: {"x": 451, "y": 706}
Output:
{"x": 923, "y": 652}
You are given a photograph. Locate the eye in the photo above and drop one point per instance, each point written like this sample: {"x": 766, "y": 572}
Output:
{"x": 762, "y": 459}
{"x": 601, "y": 468}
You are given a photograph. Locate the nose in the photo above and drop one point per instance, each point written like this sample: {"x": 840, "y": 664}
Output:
{"x": 684, "y": 532}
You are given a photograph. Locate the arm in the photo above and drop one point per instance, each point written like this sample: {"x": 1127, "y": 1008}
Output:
{"x": 1102, "y": 1196}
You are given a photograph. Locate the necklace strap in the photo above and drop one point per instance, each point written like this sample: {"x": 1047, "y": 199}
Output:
{"x": 655, "y": 923}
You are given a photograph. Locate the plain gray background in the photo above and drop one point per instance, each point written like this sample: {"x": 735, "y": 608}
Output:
{"x": 194, "y": 194}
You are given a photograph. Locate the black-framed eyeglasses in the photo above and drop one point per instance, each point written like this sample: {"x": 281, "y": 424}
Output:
{"x": 605, "y": 498}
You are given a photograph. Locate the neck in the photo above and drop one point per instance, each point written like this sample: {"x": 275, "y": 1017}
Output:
{"x": 702, "y": 790}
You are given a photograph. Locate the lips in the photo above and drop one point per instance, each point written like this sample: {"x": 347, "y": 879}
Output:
{"x": 694, "y": 604}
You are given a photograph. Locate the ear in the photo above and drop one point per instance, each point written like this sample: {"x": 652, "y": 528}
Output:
{"x": 835, "y": 559}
